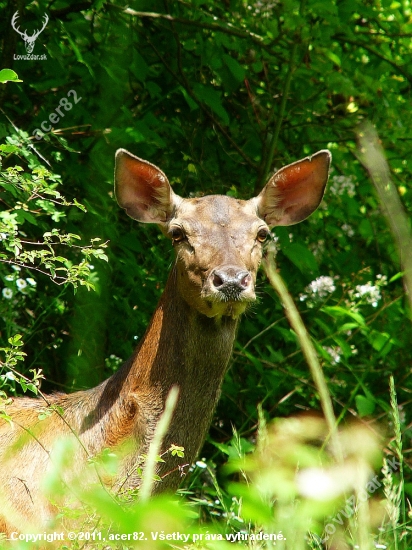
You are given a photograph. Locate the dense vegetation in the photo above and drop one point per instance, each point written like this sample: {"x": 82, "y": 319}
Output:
{"x": 218, "y": 95}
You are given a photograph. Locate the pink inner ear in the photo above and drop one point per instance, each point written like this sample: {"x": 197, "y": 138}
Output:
{"x": 142, "y": 189}
{"x": 140, "y": 180}
{"x": 301, "y": 173}
{"x": 297, "y": 185}
{"x": 294, "y": 192}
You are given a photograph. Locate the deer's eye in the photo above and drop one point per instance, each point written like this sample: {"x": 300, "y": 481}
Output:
{"x": 262, "y": 235}
{"x": 177, "y": 234}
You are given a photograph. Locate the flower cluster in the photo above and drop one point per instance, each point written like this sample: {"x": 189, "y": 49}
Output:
{"x": 348, "y": 230}
{"x": 113, "y": 362}
{"x": 369, "y": 293}
{"x": 318, "y": 249}
{"x": 318, "y": 289}
{"x": 341, "y": 185}
{"x": 263, "y": 7}
{"x": 335, "y": 354}
{"x": 16, "y": 282}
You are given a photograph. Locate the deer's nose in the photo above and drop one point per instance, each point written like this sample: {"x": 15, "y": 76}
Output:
{"x": 231, "y": 281}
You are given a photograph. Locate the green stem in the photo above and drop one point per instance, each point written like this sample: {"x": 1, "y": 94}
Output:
{"x": 372, "y": 157}
{"x": 398, "y": 449}
{"x": 155, "y": 445}
{"x": 308, "y": 349}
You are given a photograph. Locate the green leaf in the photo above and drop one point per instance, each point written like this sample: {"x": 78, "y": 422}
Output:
{"x": 9, "y": 149}
{"x": 16, "y": 340}
{"x": 140, "y": 68}
{"x": 338, "y": 311}
{"x": 192, "y": 104}
{"x": 7, "y": 75}
{"x": 24, "y": 215}
{"x": 234, "y": 67}
{"x": 301, "y": 256}
{"x": 77, "y": 51}
{"x": 333, "y": 57}
{"x": 381, "y": 342}
{"x": 365, "y": 405}
{"x": 212, "y": 99}
{"x": 396, "y": 277}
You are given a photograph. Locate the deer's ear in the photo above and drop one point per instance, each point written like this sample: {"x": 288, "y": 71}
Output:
{"x": 143, "y": 190}
{"x": 295, "y": 191}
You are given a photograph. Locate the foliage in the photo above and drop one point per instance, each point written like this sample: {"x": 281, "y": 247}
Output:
{"x": 35, "y": 243}
{"x": 217, "y": 94}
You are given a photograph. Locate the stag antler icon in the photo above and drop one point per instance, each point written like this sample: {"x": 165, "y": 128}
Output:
{"x": 29, "y": 41}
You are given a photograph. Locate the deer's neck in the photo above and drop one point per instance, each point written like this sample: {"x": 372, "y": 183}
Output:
{"x": 180, "y": 347}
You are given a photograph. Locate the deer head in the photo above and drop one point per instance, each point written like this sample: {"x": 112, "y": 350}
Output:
{"x": 218, "y": 239}
{"x": 29, "y": 41}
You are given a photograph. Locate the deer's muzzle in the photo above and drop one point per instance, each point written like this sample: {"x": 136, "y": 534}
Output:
{"x": 231, "y": 284}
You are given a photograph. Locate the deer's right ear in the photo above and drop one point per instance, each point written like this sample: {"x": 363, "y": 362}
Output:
{"x": 143, "y": 190}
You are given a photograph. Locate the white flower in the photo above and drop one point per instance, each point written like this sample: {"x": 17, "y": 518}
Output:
{"x": 273, "y": 246}
{"x": 318, "y": 289}
{"x": 263, "y": 7}
{"x": 343, "y": 184}
{"x": 326, "y": 483}
{"x": 334, "y": 354}
{"x": 346, "y": 228}
{"x": 7, "y": 293}
{"x": 369, "y": 292}
{"x": 21, "y": 284}
{"x": 322, "y": 286}
{"x": 318, "y": 248}
{"x": 31, "y": 281}
{"x": 317, "y": 484}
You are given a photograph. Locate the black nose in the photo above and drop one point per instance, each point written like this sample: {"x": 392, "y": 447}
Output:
{"x": 231, "y": 281}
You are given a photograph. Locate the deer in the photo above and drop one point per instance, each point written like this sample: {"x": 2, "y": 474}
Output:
{"x": 218, "y": 242}
{"x": 29, "y": 41}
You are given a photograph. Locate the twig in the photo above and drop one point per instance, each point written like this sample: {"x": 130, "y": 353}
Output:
{"x": 193, "y": 23}
{"x": 28, "y": 144}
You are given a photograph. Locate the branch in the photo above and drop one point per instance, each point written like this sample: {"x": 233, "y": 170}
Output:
{"x": 372, "y": 156}
{"x": 193, "y": 23}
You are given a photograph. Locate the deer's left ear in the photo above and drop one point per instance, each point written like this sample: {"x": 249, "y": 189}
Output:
{"x": 295, "y": 191}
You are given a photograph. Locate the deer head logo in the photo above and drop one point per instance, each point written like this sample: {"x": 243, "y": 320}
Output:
{"x": 29, "y": 41}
